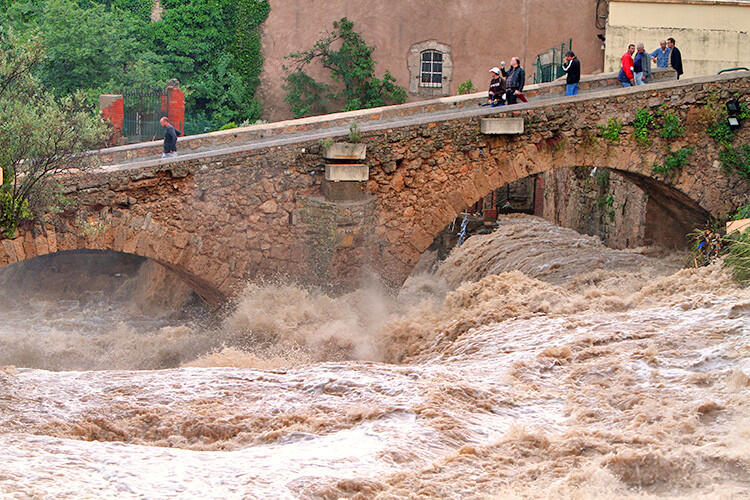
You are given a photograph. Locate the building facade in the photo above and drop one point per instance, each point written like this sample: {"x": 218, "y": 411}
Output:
{"x": 431, "y": 47}
{"x": 711, "y": 34}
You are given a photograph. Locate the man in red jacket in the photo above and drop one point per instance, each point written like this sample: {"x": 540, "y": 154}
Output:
{"x": 626, "y": 71}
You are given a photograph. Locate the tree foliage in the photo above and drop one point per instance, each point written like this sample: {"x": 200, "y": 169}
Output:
{"x": 106, "y": 46}
{"x": 40, "y": 135}
{"x": 351, "y": 67}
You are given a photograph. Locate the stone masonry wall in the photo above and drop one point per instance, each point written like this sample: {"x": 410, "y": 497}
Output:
{"x": 220, "y": 220}
{"x": 614, "y": 210}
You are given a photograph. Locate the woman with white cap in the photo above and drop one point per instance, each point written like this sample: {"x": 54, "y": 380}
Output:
{"x": 496, "y": 92}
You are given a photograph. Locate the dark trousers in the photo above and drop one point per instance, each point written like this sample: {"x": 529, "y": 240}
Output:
{"x": 512, "y": 98}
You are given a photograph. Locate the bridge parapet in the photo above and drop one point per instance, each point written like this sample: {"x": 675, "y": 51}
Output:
{"x": 245, "y": 213}
{"x": 225, "y": 138}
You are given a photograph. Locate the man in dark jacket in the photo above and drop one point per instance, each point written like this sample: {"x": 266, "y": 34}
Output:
{"x": 572, "y": 67}
{"x": 170, "y": 138}
{"x": 514, "y": 81}
{"x": 675, "y": 58}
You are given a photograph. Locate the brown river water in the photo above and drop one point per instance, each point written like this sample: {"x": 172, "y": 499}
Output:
{"x": 532, "y": 363}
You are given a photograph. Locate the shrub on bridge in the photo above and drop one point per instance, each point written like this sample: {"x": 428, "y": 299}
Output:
{"x": 673, "y": 162}
{"x": 612, "y": 131}
{"x": 642, "y": 125}
{"x": 466, "y": 87}
{"x": 736, "y": 159}
{"x": 670, "y": 126}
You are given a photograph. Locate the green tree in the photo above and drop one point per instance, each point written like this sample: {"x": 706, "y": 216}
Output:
{"x": 213, "y": 48}
{"x": 40, "y": 135}
{"x": 104, "y": 46}
{"x": 95, "y": 49}
{"x": 349, "y": 61}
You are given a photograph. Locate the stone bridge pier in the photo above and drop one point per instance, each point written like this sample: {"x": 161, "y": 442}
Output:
{"x": 219, "y": 218}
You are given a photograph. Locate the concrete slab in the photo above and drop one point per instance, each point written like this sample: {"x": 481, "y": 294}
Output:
{"x": 502, "y": 126}
{"x": 347, "y": 172}
{"x": 738, "y": 225}
{"x": 345, "y": 151}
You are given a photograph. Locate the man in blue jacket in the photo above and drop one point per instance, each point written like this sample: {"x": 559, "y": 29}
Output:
{"x": 661, "y": 55}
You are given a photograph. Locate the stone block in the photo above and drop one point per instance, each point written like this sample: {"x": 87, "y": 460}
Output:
{"x": 502, "y": 126}
{"x": 343, "y": 191}
{"x": 347, "y": 172}
{"x": 346, "y": 151}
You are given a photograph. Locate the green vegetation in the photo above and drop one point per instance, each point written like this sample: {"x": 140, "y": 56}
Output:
{"x": 605, "y": 200}
{"x": 708, "y": 245}
{"x": 742, "y": 213}
{"x": 228, "y": 126}
{"x": 105, "y": 46}
{"x": 736, "y": 159}
{"x": 715, "y": 118}
{"x": 738, "y": 258}
{"x": 673, "y": 162}
{"x": 670, "y": 126}
{"x": 612, "y": 131}
{"x": 354, "y": 134}
{"x": 642, "y": 125}
{"x": 466, "y": 87}
{"x": 40, "y": 135}
{"x": 351, "y": 67}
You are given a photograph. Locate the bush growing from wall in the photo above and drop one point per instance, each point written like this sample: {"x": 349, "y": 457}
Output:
{"x": 351, "y": 67}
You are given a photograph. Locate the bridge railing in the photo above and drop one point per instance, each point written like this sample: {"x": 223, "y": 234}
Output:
{"x": 235, "y": 136}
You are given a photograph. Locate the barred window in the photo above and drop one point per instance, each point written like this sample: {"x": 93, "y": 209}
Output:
{"x": 431, "y": 74}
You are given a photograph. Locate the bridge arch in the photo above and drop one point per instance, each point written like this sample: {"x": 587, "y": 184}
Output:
{"x": 140, "y": 236}
{"x": 436, "y": 190}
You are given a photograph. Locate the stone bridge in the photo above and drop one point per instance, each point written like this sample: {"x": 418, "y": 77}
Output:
{"x": 254, "y": 209}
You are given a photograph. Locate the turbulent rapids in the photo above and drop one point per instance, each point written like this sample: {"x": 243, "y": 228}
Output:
{"x": 532, "y": 363}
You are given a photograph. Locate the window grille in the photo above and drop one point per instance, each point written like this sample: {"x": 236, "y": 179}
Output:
{"x": 431, "y": 73}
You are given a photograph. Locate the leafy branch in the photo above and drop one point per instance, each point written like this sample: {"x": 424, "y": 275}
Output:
{"x": 351, "y": 67}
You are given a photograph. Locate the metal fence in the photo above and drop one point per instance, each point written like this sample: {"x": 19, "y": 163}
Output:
{"x": 549, "y": 63}
{"x": 143, "y": 109}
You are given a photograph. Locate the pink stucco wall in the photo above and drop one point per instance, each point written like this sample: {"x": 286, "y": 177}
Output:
{"x": 480, "y": 33}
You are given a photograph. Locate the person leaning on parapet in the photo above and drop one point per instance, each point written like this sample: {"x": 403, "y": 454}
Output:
{"x": 515, "y": 78}
{"x": 661, "y": 55}
{"x": 675, "y": 58}
{"x": 170, "y": 138}
{"x": 496, "y": 93}
{"x": 626, "y": 70}
{"x": 641, "y": 66}
{"x": 572, "y": 66}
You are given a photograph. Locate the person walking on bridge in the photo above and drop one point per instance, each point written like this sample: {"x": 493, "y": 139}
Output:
{"x": 572, "y": 68}
{"x": 515, "y": 79}
{"x": 626, "y": 70}
{"x": 170, "y": 138}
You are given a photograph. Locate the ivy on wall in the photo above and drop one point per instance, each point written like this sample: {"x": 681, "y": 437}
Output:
{"x": 353, "y": 84}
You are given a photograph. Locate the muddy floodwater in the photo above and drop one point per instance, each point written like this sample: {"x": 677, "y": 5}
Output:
{"x": 532, "y": 363}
